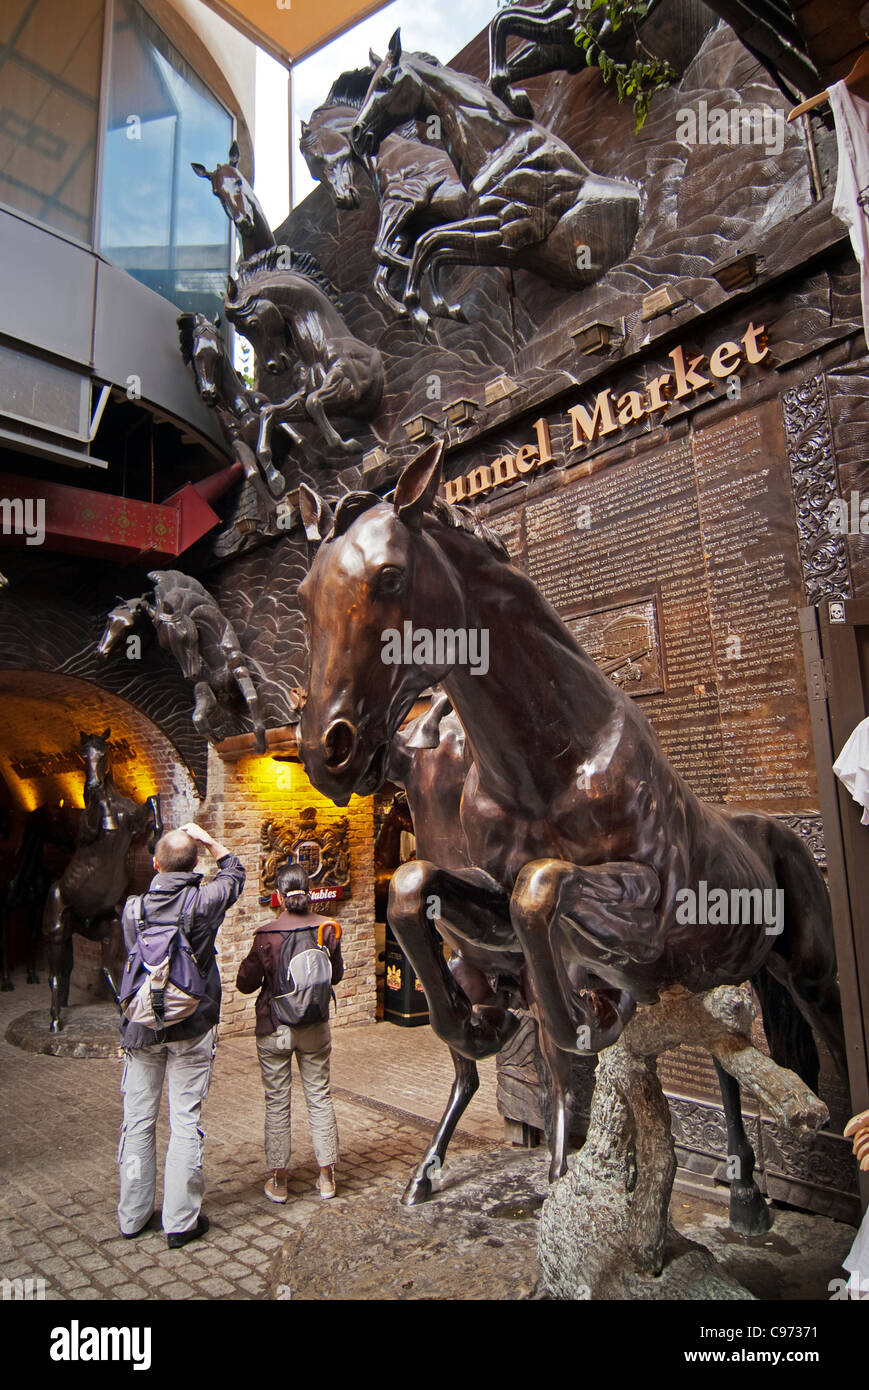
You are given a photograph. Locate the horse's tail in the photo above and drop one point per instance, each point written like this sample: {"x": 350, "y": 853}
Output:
{"x": 791, "y": 1041}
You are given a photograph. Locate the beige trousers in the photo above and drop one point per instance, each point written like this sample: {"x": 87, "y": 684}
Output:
{"x": 313, "y": 1047}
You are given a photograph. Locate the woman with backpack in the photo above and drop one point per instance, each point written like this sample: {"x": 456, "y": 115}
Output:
{"x": 294, "y": 962}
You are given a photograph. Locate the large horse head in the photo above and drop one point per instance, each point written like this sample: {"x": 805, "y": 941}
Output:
{"x": 202, "y": 348}
{"x": 378, "y": 576}
{"x": 237, "y": 198}
{"x": 325, "y": 141}
{"x": 394, "y": 97}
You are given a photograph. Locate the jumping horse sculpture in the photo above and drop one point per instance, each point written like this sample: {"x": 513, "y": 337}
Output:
{"x": 579, "y": 832}
{"x": 288, "y": 309}
{"x": 415, "y": 183}
{"x": 191, "y": 626}
{"x": 766, "y": 27}
{"x": 220, "y": 386}
{"x": 239, "y": 202}
{"x": 90, "y": 893}
{"x": 532, "y": 202}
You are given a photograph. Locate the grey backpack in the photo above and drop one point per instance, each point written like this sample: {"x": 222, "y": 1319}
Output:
{"x": 303, "y": 986}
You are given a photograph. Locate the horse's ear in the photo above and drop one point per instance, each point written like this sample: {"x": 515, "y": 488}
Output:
{"x": 201, "y": 170}
{"x": 83, "y": 736}
{"x": 105, "y": 735}
{"x": 373, "y": 58}
{"x": 234, "y": 154}
{"x": 316, "y": 514}
{"x": 306, "y": 130}
{"x": 393, "y": 52}
{"x": 216, "y": 321}
{"x": 417, "y": 487}
{"x": 231, "y": 290}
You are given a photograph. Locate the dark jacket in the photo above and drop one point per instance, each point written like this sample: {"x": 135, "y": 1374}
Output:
{"x": 164, "y": 901}
{"x": 259, "y": 968}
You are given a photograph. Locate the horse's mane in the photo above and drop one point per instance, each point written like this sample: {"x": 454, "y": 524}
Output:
{"x": 277, "y": 258}
{"x": 354, "y": 504}
{"x": 349, "y": 91}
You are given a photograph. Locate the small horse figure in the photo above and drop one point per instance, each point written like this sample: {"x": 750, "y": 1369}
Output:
{"x": 532, "y": 202}
{"x": 580, "y": 834}
{"x": 190, "y": 625}
{"x": 49, "y": 837}
{"x": 288, "y": 309}
{"x": 415, "y": 183}
{"x": 239, "y": 202}
{"x": 90, "y": 893}
{"x": 220, "y": 386}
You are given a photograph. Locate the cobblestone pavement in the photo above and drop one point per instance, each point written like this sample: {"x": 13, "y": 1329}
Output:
{"x": 59, "y": 1128}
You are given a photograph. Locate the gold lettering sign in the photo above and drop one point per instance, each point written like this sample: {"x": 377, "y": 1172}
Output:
{"x": 607, "y": 414}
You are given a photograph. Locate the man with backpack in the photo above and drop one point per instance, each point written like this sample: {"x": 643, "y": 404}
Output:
{"x": 170, "y": 1002}
{"x": 294, "y": 962}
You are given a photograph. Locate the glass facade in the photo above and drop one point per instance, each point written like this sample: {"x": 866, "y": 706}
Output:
{"x": 50, "y": 52}
{"x": 158, "y": 220}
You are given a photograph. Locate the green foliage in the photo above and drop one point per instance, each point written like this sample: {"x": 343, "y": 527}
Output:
{"x": 637, "y": 81}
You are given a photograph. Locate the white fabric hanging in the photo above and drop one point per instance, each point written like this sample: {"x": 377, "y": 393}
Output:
{"x": 857, "y": 1260}
{"x": 852, "y": 767}
{"x": 851, "y": 114}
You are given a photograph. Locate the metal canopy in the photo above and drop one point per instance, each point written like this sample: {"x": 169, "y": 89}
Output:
{"x": 293, "y": 31}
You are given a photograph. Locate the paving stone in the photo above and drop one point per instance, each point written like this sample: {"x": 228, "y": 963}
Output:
{"x": 129, "y": 1291}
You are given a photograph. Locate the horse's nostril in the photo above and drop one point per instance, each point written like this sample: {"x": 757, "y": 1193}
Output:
{"x": 339, "y": 743}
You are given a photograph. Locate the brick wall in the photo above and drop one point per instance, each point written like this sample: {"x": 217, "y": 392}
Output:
{"x": 241, "y": 796}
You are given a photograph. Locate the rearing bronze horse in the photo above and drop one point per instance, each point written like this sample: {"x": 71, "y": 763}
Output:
{"x": 580, "y": 832}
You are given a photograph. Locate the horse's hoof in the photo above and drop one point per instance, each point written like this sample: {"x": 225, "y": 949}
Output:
{"x": 557, "y": 1169}
{"x": 420, "y": 318}
{"x": 259, "y": 742}
{"x": 749, "y": 1213}
{"x": 55, "y": 1026}
{"x": 32, "y": 977}
{"x": 418, "y": 1190}
{"x": 456, "y": 312}
{"x": 277, "y": 485}
{"x": 518, "y": 102}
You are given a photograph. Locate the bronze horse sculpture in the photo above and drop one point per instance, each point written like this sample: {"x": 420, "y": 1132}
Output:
{"x": 415, "y": 183}
{"x": 191, "y": 627}
{"x": 580, "y": 834}
{"x": 220, "y": 386}
{"x": 288, "y": 309}
{"x": 239, "y": 202}
{"x": 90, "y": 893}
{"x": 533, "y": 204}
{"x": 766, "y": 27}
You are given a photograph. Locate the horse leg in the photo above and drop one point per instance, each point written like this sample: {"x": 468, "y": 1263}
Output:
{"x": 315, "y": 405}
{"x": 380, "y": 285}
{"x": 749, "y": 1213}
{"x": 528, "y": 23}
{"x": 558, "y": 1078}
{"x": 243, "y": 680}
{"x": 254, "y": 471}
{"x": 57, "y": 928}
{"x": 611, "y": 908}
{"x": 475, "y": 908}
{"x": 466, "y": 1084}
{"x": 461, "y": 242}
{"x": 112, "y": 949}
{"x": 204, "y": 702}
{"x": 33, "y": 931}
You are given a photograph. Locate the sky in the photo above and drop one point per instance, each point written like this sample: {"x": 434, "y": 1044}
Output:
{"x": 441, "y": 27}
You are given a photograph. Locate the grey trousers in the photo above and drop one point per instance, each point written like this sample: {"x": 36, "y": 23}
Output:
{"x": 188, "y": 1066}
{"x": 313, "y": 1047}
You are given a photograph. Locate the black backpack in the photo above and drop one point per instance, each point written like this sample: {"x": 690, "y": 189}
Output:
{"x": 303, "y": 985}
